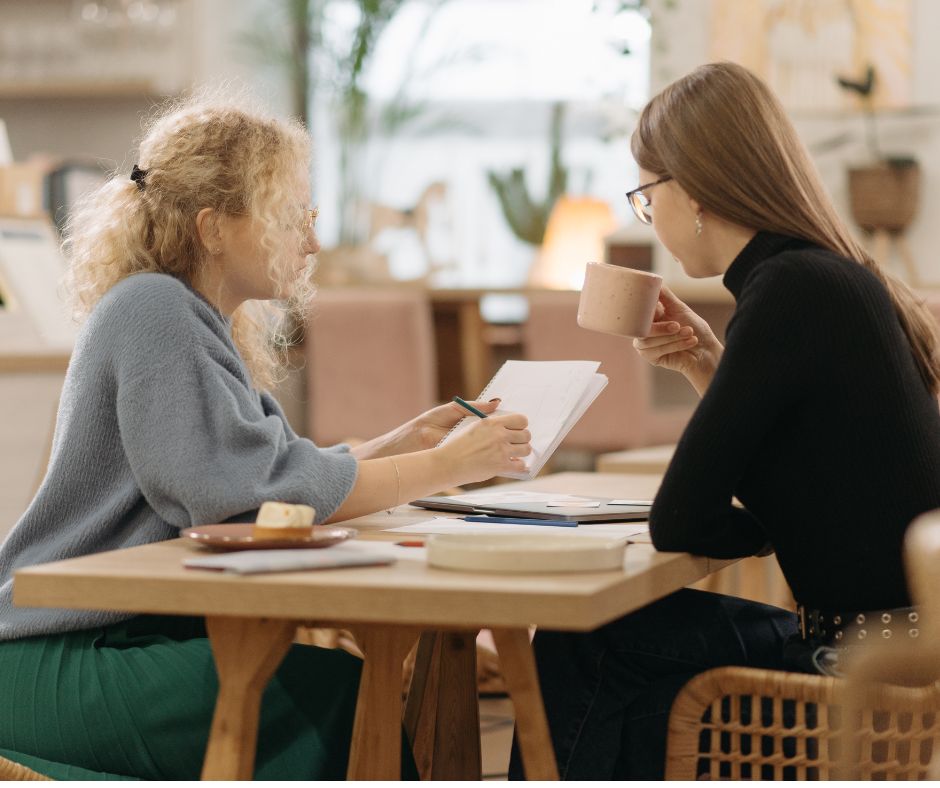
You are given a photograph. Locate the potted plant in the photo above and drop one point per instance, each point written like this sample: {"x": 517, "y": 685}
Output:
{"x": 526, "y": 216}
{"x": 883, "y": 195}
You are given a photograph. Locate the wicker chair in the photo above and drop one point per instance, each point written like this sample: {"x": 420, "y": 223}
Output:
{"x": 10, "y": 770}
{"x": 744, "y": 723}
{"x": 749, "y": 724}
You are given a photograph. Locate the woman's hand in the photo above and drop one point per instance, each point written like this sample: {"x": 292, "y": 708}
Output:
{"x": 422, "y": 432}
{"x": 488, "y": 448}
{"x": 682, "y": 341}
{"x": 429, "y": 429}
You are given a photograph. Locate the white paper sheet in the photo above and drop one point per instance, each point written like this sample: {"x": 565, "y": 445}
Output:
{"x": 553, "y": 395}
{"x": 493, "y": 497}
{"x": 251, "y": 562}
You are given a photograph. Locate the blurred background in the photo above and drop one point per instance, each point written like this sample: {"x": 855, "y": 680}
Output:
{"x": 471, "y": 156}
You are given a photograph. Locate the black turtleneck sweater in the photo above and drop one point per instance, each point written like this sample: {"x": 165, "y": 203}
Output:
{"x": 818, "y": 420}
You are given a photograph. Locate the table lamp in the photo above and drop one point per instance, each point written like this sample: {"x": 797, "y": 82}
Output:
{"x": 574, "y": 236}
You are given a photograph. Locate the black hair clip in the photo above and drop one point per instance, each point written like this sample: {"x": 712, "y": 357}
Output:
{"x": 137, "y": 176}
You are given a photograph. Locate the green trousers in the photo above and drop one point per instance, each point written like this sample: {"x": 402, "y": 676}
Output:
{"x": 136, "y": 700}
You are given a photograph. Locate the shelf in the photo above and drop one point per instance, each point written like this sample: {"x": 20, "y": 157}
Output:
{"x": 58, "y": 89}
{"x": 910, "y": 111}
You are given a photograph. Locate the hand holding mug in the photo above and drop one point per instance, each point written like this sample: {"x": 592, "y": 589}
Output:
{"x": 680, "y": 340}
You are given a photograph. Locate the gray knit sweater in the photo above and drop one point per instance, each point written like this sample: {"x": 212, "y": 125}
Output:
{"x": 159, "y": 428}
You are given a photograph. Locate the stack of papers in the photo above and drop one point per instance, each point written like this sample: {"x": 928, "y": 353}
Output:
{"x": 452, "y": 525}
{"x": 553, "y": 395}
{"x": 347, "y": 554}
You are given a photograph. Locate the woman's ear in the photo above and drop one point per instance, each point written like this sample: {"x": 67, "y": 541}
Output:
{"x": 210, "y": 232}
{"x": 696, "y": 206}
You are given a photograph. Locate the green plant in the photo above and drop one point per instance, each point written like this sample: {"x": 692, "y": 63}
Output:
{"x": 289, "y": 36}
{"x": 527, "y": 217}
{"x": 283, "y": 37}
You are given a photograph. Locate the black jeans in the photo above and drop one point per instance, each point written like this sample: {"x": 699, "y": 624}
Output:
{"x": 608, "y": 693}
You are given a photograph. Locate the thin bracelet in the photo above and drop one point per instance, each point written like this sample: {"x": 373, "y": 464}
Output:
{"x": 398, "y": 488}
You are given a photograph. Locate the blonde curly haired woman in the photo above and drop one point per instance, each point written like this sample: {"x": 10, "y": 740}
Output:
{"x": 819, "y": 414}
{"x": 164, "y": 423}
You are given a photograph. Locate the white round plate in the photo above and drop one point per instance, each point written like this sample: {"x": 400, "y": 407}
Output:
{"x": 525, "y": 553}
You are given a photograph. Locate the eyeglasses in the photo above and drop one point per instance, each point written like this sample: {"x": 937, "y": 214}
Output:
{"x": 641, "y": 204}
{"x": 310, "y": 218}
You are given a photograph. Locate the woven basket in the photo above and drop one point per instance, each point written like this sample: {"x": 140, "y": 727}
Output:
{"x": 884, "y": 197}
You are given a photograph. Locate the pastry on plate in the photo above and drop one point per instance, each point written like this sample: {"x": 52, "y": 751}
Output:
{"x": 278, "y": 520}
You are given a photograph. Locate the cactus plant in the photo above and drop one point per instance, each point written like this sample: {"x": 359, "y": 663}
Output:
{"x": 526, "y": 217}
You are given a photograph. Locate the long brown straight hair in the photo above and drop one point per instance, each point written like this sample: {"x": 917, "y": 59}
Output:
{"x": 726, "y": 139}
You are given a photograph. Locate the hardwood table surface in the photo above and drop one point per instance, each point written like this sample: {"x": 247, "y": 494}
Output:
{"x": 252, "y": 620}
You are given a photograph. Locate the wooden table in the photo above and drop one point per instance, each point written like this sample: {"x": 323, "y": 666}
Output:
{"x": 648, "y": 459}
{"x": 30, "y": 385}
{"x": 252, "y": 621}
{"x": 463, "y": 351}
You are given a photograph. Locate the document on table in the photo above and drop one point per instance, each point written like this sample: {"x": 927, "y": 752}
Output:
{"x": 452, "y": 525}
{"x": 355, "y": 553}
{"x": 552, "y": 395}
{"x": 493, "y": 497}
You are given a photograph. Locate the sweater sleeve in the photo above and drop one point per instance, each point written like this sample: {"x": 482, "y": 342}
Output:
{"x": 764, "y": 367}
{"x": 198, "y": 440}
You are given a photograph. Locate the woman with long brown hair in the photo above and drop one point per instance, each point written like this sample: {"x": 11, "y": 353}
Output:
{"x": 819, "y": 414}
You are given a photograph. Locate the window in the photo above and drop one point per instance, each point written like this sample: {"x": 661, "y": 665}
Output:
{"x": 459, "y": 88}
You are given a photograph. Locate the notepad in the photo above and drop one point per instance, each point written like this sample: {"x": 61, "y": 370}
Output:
{"x": 261, "y": 561}
{"x": 553, "y": 395}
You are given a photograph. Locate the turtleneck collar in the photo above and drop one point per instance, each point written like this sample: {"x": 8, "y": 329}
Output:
{"x": 761, "y": 247}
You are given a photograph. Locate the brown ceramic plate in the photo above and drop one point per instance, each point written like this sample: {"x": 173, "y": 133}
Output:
{"x": 237, "y": 536}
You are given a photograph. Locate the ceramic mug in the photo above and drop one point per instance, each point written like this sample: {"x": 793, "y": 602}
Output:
{"x": 618, "y": 300}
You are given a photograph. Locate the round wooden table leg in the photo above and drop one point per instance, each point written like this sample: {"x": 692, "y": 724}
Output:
{"x": 517, "y": 662}
{"x": 247, "y": 651}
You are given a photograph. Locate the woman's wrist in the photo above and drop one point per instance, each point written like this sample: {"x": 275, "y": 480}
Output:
{"x": 700, "y": 376}
{"x": 393, "y": 442}
{"x": 444, "y": 460}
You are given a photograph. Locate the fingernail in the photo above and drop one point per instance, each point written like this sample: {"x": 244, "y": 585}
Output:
{"x": 496, "y": 399}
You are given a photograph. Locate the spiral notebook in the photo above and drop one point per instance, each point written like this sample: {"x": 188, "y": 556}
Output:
{"x": 553, "y": 395}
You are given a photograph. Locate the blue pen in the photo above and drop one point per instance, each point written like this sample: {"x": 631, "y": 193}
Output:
{"x": 467, "y": 406}
{"x": 481, "y": 518}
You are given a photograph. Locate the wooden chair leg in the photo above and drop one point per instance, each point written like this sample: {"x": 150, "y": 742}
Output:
{"x": 247, "y": 651}
{"x": 375, "y": 753}
{"x": 881, "y": 247}
{"x": 522, "y": 682}
{"x": 907, "y": 258}
{"x": 442, "y": 714}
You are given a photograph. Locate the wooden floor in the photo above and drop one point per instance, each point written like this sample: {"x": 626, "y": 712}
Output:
{"x": 496, "y": 736}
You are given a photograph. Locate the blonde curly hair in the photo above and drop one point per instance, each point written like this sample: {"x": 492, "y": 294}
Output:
{"x": 201, "y": 152}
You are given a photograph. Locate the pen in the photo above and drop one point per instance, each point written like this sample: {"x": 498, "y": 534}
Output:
{"x": 467, "y": 406}
{"x": 518, "y": 521}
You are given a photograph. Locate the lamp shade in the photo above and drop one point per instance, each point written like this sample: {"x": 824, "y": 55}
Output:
{"x": 574, "y": 236}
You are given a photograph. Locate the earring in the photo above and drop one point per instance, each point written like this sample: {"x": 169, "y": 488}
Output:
{"x": 698, "y": 224}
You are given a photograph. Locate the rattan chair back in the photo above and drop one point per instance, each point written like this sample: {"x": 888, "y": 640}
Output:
{"x": 882, "y": 722}
{"x": 922, "y": 563}
{"x": 750, "y": 724}
{"x": 10, "y": 770}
